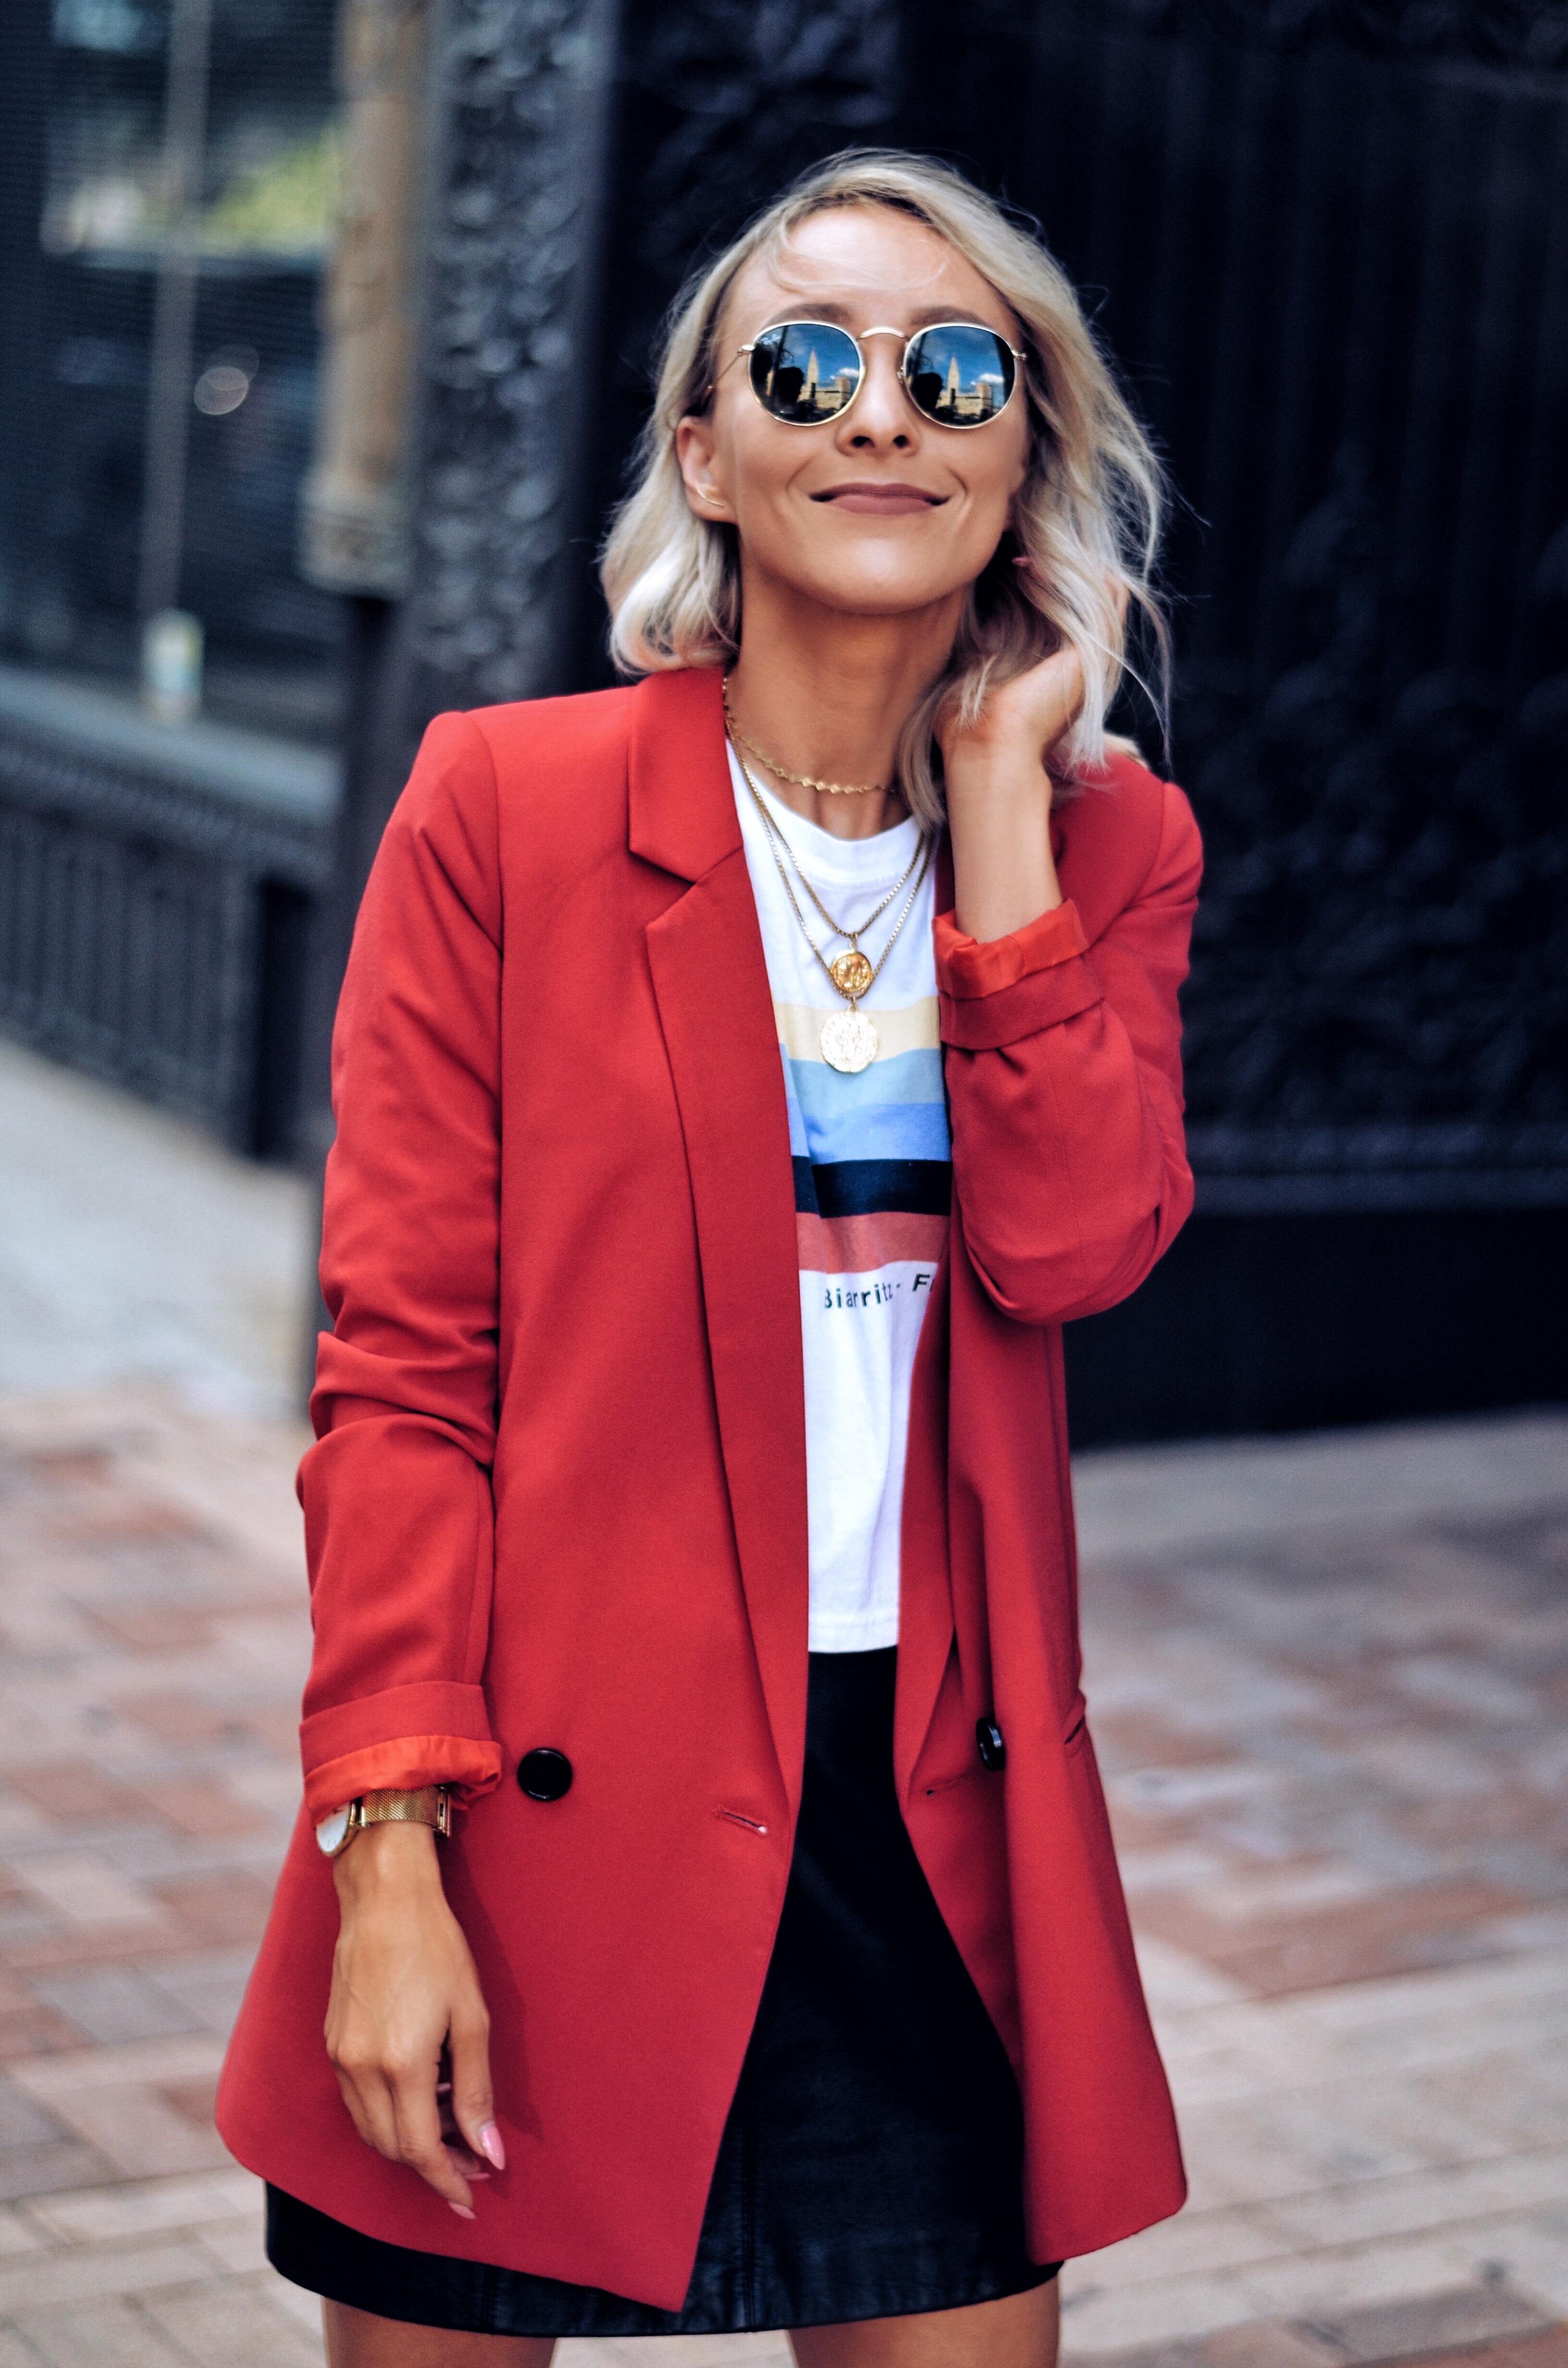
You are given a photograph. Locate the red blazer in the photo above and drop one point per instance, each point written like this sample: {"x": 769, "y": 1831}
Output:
{"x": 559, "y": 1493}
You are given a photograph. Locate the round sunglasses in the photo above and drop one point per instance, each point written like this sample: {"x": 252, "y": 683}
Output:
{"x": 958, "y": 373}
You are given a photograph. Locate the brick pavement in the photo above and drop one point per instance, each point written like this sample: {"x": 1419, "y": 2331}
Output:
{"x": 1327, "y": 1679}
{"x": 1336, "y": 1761}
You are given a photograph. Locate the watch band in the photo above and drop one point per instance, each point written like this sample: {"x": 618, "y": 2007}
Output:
{"x": 430, "y": 1805}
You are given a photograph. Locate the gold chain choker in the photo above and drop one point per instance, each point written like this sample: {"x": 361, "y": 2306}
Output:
{"x": 801, "y": 781}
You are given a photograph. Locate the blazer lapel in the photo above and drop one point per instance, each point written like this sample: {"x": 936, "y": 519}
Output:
{"x": 710, "y": 980}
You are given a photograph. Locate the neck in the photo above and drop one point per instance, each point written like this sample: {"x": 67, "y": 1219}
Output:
{"x": 827, "y": 694}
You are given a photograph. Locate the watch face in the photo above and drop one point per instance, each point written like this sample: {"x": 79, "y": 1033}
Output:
{"x": 333, "y": 1832}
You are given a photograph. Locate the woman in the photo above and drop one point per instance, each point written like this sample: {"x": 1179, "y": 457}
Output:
{"x": 689, "y": 1518}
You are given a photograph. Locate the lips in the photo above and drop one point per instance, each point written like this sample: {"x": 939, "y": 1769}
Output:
{"x": 873, "y": 499}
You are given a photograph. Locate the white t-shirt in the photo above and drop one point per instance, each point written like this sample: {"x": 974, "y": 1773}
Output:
{"x": 873, "y": 1175}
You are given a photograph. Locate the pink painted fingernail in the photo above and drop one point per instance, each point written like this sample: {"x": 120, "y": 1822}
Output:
{"x": 490, "y": 2139}
{"x": 460, "y": 2209}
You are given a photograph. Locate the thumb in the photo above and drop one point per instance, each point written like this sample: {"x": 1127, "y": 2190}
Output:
{"x": 473, "y": 2104}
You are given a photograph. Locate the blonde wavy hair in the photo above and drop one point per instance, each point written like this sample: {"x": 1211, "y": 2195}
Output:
{"x": 1077, "y": 560}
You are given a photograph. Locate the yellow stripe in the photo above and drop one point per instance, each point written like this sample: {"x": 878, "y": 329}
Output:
{"x": 916, "y": 1030}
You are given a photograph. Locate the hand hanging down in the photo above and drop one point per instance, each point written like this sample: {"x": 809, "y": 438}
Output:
{"x": 406, "y": 2025}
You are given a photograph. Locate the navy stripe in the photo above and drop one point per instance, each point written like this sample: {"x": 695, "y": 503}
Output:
{"x": 853, "y": 1188}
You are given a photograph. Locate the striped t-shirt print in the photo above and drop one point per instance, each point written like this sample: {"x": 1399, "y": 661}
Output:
{"x": 872, "y": 1167}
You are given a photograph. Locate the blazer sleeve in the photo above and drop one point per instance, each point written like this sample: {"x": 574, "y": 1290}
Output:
{"x": 399, "y": 1516}
{"x": 1063, "y": 1072}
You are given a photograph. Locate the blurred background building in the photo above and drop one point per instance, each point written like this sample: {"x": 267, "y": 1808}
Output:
{"x": 324, "y": 339}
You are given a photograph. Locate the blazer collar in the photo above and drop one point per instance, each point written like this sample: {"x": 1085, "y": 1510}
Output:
{"x": 681, "y": 801}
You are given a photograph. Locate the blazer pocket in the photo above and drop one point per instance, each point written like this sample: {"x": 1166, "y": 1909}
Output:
{"x": 1074, "y": 1728}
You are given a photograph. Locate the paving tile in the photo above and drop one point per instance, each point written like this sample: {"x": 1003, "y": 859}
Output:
{"x": 1428, "y": 2323}
{"x": 1332, "y": 2288}
{"x": 1193, "y": 2241}
{"x": 1548, "y": 2349}
{"x": 1175, "y": 1982}
{"x": 71, "y": 1789}
{"x": 1266, "y": 2346}
{"x": 83, "y": 1887}
{"x": 36, "y": 2031}
{"x": 679, "y": 2352}
{"x": 160, "y": 1628}
{"x": 219, "y": 1908}
{"x": 134, "y": 2103}
{"x": 1383, "y": 1931}
{"x": 238, "y": 2244}
{"x": 48, "y": 2281}
{"x": 204, "y": 1805}
{"x": 17, "y": 2235}
{"x": 23, "y": 2121}
{"x": 111, "y": 2003}
{"x": 1529, "y": 2249}
{"x": 46, "y": 2170}
{"x": 143, "y": 2207}
{"x": 32, "y": 1952}
{"x": 1257, "y": 2150}
{"x": 108, "y": 2334}
{"x": 207, "y": 2325}
{"x": 1424, "y": 2199}
{"x": 188, "y": 1718}
{"x": 303, "y": 2308}
{"x": 209, "y": 1987}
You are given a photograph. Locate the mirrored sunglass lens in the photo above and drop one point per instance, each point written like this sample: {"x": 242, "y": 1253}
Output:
{"x": 804, "y": 372}
{"x": 960, "y": 376}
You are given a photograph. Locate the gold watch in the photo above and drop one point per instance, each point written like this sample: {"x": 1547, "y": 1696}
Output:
{"x": 432, "y": 1805}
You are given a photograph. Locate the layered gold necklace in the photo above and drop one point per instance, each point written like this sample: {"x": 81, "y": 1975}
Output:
{"x": 849, "y": 1040}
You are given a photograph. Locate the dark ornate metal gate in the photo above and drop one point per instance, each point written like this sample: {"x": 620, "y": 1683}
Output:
{"x": 1329, "y": 244}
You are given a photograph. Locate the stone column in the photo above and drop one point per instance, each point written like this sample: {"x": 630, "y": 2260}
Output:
{"x": 353, "y": 514}
{"x": 508, "y": 357}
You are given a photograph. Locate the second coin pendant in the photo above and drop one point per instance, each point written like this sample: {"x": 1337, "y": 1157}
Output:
{"x": 849, "y": 1042}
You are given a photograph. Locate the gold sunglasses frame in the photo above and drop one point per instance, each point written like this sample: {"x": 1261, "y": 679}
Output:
{"x": 959, "y": 428}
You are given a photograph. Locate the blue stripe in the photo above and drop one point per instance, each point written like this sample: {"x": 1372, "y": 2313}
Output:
{"x": 907, "y": 1078}
{"x": 894, "y": 1131}
{"x": 895, "y": 1109}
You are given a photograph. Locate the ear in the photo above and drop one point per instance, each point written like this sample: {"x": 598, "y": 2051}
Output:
{"x": 705, "y": 493}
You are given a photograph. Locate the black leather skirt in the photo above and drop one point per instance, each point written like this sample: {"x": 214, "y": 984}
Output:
{"x": 871, "y": 2164}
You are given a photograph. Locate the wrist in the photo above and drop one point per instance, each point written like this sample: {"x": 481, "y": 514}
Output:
{"x": 392, "y": 1859}
{"x": 996, "y": 771}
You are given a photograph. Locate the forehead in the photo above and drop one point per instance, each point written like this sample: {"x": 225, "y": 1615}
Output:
{"x": 864, "y": 264}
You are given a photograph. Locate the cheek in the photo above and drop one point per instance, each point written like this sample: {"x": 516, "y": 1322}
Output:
{"x": 1006, "y": 473}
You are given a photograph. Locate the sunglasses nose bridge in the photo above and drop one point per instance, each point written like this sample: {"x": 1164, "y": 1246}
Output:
{"x": 903, "y": 342}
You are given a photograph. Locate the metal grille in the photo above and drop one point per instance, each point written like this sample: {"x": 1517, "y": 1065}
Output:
{"x": 82, "y": 236}
{"x": 153, "y": 928}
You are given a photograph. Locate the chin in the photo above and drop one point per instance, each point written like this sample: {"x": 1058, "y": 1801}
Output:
{"x": 883, "y": 591}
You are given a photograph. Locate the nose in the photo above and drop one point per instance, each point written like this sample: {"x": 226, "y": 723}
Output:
{"x": 881, "y": 419}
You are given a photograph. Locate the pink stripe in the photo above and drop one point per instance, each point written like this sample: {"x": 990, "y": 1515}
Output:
{"x": 860, "y": 1245}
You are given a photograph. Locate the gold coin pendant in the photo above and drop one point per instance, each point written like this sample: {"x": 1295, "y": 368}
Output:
{"x": 851, "y": 973}
{"x": 849, "y": 1042}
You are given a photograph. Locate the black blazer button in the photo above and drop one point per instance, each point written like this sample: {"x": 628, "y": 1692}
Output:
{"x": 544, "y": 1775}
{"x": 988, "y": 1742}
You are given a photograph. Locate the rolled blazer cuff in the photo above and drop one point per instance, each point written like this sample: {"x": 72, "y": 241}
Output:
{"x": 1007, "y": 988}
{"x": 410, "y": 1735}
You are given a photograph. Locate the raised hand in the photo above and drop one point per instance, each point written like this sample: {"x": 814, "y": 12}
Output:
{"x": 999, "y": 796}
